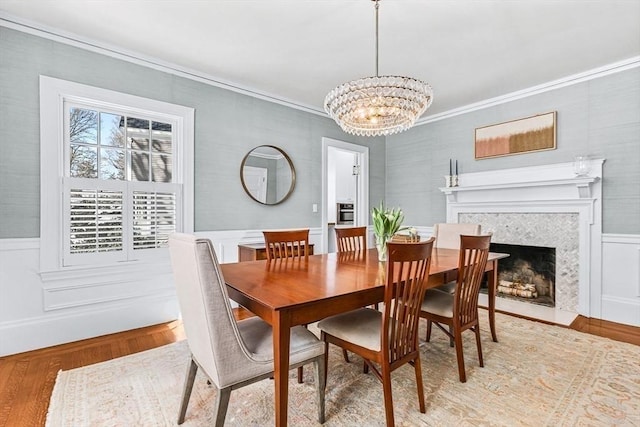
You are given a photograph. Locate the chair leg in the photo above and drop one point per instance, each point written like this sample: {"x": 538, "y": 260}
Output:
{"x": 388, "y": 399}
{"x": 428, "y": 336}
{"x": 320, "y": 378}
{"x": 345, "y": 355}
{"x": 221, "y": 404}
{"x": 192, "y": 369}
{"x": 460, "y": 356}
{"x": 301, "y": 370}
{"x": 476, "y": 329}
{"x": 323, "y": 337}
{"x": 418, "y": 369}
{"x": 451, "y": 336}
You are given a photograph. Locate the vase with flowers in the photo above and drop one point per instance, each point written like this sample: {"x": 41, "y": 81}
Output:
{"x": 386, "y": 223}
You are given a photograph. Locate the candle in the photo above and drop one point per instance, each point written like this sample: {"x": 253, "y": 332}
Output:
{"x": 456, "y": 174}
{"x": 450, "y": 167}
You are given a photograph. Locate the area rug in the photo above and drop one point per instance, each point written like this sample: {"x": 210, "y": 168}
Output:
{"x": 537, "y": 375}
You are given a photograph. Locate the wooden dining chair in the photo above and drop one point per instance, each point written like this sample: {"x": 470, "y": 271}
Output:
{"x": 351, "y": 239}
{"x": 287, "y": 244}
{"x": 448, "y": 236}
{"x": 231, "y": 354}
{"x": 388, "y": 339}
{"x": 459, "y": 311}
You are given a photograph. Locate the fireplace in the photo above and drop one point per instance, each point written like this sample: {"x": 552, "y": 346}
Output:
{"x": 528, "y": 274}
{"x": 545, "y": 207}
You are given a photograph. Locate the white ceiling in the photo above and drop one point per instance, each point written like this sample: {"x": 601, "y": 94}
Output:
{"x": 298, "y": 50}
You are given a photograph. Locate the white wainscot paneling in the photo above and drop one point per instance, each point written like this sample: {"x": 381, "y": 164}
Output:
{"x": 621, "y": 278}
{"x": 71, "y": 306}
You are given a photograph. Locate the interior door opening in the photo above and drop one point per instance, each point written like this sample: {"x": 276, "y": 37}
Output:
{"x": 344, "y": 188}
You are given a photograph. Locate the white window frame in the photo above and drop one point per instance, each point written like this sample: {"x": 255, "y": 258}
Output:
{"x": 54, "y": 94}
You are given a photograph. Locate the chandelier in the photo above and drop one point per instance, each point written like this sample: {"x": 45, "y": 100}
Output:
{"x": 380, "y": 105}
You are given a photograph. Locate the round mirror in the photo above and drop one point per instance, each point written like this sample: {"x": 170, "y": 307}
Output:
{"x": 267, "y": 175}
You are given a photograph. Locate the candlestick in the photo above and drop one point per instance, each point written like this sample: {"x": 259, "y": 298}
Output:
{"x": 456, "y": 174}
{"x": 450, "y": 167}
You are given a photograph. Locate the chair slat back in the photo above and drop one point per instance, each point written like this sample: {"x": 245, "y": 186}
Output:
{"x": 287, "y": 244}
{"x": 406, "y": 281}
{"x": 447, "y": 235}
{"x": 474, "y": 251}
{"x": 351, "y": 239}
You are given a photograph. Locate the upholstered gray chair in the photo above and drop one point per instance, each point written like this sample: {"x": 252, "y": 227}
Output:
{"x": 389, "y": 339}
{"x": 459, "y": 311}
{"x": 231, "y": 354}
{"x": 447, "y": 235}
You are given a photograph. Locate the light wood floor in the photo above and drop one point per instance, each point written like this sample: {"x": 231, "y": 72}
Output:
{"x": 27, "y": 379}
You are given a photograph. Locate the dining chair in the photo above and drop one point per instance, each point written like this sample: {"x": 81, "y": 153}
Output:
{"x": 287, "y": 244}
{"x": 350, "y": 239}
{"x": 447, "y": 235}
{"x": 388, "y": 339}
{"x": 231, "y": 353}
{"x": 459, "y": 311}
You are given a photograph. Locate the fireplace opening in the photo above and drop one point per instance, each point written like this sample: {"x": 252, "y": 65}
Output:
{"x": 528, "y": 274}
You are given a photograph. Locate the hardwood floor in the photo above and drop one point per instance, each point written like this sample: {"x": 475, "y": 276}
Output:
{"x": 27, "y": 379}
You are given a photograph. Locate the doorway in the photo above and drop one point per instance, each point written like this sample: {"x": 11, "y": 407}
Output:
{"x": 353, "y": 181}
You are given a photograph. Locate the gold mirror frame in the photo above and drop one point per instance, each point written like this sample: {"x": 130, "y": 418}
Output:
{"x": 292, "y": 169}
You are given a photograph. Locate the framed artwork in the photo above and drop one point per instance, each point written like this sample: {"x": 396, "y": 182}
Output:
{"x": 534, "y": 133}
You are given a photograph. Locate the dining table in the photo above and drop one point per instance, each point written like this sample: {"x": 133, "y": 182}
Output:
{"x": 288, "y": 292}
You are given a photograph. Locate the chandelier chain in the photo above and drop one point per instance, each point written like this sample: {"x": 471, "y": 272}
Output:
{"x": 377, "y": 50}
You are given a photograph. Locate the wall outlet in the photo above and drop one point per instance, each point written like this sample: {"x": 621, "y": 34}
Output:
{"x": 314, "y": 207}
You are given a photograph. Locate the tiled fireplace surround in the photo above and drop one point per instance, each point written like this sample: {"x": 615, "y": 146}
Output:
{"x": 541, "y": 206}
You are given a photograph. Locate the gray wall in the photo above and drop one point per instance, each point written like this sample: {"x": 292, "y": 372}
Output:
{"x": 599, "y": 118}
{"x": 227, "y": 126}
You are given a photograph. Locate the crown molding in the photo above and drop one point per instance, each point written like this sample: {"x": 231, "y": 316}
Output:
{"x": 595, "y": 73}
{"x": 30, "y": 27}
{"x": 37, "y": 29}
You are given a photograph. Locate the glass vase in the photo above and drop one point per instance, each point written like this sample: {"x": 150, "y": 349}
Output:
{"x": 381, "y": 246}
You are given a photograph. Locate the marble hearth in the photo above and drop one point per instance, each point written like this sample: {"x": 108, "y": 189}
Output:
{"x": 545, "y": 206}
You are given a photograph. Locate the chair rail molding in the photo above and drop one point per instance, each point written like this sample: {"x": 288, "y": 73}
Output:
{"x": 545, "y": 189}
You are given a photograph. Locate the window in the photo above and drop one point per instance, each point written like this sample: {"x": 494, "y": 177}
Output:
{"x": 115, "y": 175}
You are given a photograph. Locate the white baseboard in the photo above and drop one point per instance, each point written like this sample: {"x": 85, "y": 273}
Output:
{"x": 621, "y": 310}
{"x": 58, "y": 328}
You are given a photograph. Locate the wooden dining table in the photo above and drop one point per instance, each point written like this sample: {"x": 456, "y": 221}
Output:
{"x": 289, "y": 292}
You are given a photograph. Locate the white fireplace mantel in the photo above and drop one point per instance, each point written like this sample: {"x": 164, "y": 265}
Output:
{"x": 555, "y": 181}
{"x": 545, "y": 189}
{"x": 581, "y": 184}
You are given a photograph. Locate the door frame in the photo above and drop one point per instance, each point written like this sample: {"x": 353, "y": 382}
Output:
{"x": 362, "y": 190}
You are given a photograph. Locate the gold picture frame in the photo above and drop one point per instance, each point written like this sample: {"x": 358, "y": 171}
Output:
{"x": 535, "y": 133}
